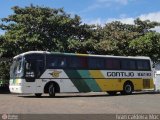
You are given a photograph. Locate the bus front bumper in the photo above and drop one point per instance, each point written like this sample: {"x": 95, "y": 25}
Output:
{"x": 15, "y": 89}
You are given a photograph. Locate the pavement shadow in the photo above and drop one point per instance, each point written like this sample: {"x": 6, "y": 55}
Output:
{"x": 85, "y": 96}
{"x": 67, "y": 96}
{"x": 146, "y": 92}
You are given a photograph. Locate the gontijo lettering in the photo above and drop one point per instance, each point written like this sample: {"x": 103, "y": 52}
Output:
{"x": 127, "y": 74}
{"x": 120, "y": 74}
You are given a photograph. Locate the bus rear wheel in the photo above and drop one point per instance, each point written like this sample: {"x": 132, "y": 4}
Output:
{"x": 38, "y": 94}
{"x": 51, "y": 90}
{"x": 127, "y": 89}
{"x": 112, "y": 92}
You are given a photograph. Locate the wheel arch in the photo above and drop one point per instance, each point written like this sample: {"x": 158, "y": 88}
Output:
{"x": 57, "y": 87}
{"x": 129, "y": 82}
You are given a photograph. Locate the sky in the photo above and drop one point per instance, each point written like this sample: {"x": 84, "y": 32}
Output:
{"x": 95, "y": 11}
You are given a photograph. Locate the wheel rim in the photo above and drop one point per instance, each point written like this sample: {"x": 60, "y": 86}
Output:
{"x": 51, "y": 89}
{"x": 128, "y": 88}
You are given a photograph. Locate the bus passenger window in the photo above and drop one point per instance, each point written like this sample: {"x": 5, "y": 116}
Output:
{"x": 73, "y": 62}
{"x": 96, "y": 63}
{"x": 92, "y": 63}
{"x": 128, "y": 64}
{"x": 112, "y": 64}
{"x": 56, "y": 62}
{"x": 100, "y": 63}
{"x": 78, "y": 62}
{"x": 61, "y": 62}
{"x": 146, "y": 65}
{"x": 83, "y": 62}
{"x": 53, "y": 63}
{"x": 132, "y": 65}
{"x": 143, "y": 65}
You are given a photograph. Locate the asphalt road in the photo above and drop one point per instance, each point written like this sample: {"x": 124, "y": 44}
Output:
{"x": 83, "y": 103}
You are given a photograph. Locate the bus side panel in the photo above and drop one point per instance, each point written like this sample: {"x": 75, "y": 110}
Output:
{"x": 151, "y": 84}
{"x": 92, "y": 84}
{"x": 77, "y": 80}
{"x": 90, "y": 80}
{"x": 99, "y": 78}
{"x": 137, "y": 83}
{"x": 117, "y": 84}
{"x": 61, "y": 78}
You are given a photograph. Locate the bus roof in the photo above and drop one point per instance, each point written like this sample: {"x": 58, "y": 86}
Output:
{"x": 31, "y": 52}
{"x": 78, "y": 54}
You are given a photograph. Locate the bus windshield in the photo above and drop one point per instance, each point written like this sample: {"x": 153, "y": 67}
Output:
{"x": 16, "y": 70}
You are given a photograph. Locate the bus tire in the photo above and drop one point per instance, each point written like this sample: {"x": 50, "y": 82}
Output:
{"x": 51, "y": 90}
{"x": 127, "y": 88}
{"x": 112, "y": 93}
{"x": 38, "y": 94}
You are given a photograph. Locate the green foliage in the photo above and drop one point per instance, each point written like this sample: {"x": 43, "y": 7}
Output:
{"x": 41, "y": 28}
{"x": 147, "y": 45}
{"x": 116, "y": 37}
{"x": 144, "y": 26}
{"x": 4, "y": 69}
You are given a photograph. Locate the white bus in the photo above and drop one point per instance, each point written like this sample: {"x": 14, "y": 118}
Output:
{"x": 41, "y": 72}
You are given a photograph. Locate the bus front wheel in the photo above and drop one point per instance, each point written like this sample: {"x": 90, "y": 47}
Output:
{"x": 127, "y": 89}
{"x": 51, "y": 90}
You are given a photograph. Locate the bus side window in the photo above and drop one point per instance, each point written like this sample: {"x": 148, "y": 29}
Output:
{"x": 61, "y": 62}
{"x": 78, "y": 62}
{"x": 124, "y": 64}
{"x": 51, "y": 62}
{"x": 143, "y": 65}
{"x": 83, "y": 61}
{"x": 74, "y": 62}
{"x": 132, "y": 65}
{"x": 146, "y": 65}
{"x": 112, "y": 64}
{"x": 56, "y": 62}
{"x": 100, "y": 63}
{"x": 109, "y": 64}
{"x": 127, "y": 64}
{"x": 39, "y": 67}
{"x": 96, "y": 63}
{"x": 139, "y": 65}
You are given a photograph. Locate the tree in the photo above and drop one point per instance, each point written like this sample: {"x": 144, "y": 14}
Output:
{"x": 41, "y": 28}
{"x": 5, "y": 62}
{"x": 144, "y": 26}
{"x": 4, "y": 69}
{"x": 147, "y": 45}
{"x": 116, "y": 36}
